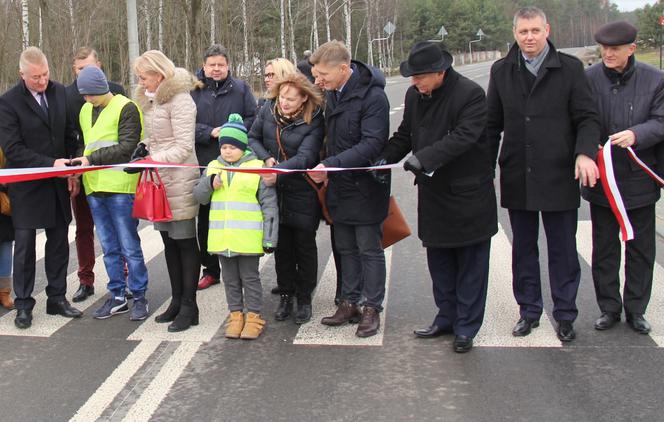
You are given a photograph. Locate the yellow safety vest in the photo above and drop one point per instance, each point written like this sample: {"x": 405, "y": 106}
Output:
{"x": 236, "y": 219}
{"x": 104, "y": 133}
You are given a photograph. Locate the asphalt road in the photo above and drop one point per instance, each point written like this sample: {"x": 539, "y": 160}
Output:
{"x": 121, "y": 370}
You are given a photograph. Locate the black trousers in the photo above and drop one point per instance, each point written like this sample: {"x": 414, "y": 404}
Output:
{"x": 183, "y": 265}
{"x": 639, "y": 260}
{"x": 56, "y": 259}
{"x": 460, "y": 278}
{"x": 296, "y": 262}
{"x": 564, "y": 268}
{"x": 209, "y": 262}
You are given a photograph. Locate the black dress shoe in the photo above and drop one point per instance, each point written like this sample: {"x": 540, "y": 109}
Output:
{"x": 303, "y": 314}
{"x": 62, "y": 308}
{"x": 276, "y": 290}
{"x": 638, "y": 323}
{"x": 284, "y": 309}
{"x": 462, "y": 344}
{"x": 83, "y": 293}
{"x": 432, "y": 331}
{"x": 23, "y": 318}
{"x": 565, "y": 331}
{"x": 524, "y": 326}
{"x": 607, "y": 320}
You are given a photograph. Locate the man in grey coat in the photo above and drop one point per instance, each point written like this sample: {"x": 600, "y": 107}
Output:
{"x": 630, "y": 100}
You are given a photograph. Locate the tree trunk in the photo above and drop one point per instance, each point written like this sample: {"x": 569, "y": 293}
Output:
{"x": 291, "y": 33}
{"x": 283, "y": 28}
{"x": 347, "y": 21}
{"x": 132, "y": 36}
{"x": 212, "y": 21}
{"x": 245, "y": 45}
{"x": 72, "y": 22}
{"x": 161, "y": 25}
{"x": 25, "y": 23}
{"x": 327, "y": 18}
{"x": 370, "y": 61}
{"x": 148, "y": 27}
{"x": 315, "y": 26}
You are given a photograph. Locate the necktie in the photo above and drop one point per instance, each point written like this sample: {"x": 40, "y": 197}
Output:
{"x": 42, "y": 104}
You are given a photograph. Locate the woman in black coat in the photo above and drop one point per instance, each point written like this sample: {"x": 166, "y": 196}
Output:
{"x": 288, "y": 133}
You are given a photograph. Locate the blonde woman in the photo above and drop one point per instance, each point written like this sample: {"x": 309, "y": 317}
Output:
{"x": 169, "y": 126}
{"x": 275, "y": 69}
{"x": 288, "y": 133}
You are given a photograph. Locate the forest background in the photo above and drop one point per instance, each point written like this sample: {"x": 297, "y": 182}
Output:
{"x": 377, "y": 31}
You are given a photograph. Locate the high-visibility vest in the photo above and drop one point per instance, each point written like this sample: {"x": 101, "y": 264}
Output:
{"x": 104, "y": 133}
{"x": 236, "y": 219}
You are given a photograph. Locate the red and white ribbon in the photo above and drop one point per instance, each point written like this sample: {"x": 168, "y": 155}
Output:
{"x": 36, "y": 173}
{"x": 610, "y": 186}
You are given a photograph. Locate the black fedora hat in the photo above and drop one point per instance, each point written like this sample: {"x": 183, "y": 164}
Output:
{"x": 425, "y": 57}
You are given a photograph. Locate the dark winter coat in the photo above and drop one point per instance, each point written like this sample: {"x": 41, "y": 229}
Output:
{"x": 447, "y": 133}
{"x": 634, "y": 102}
{"x": 29, "y": 139}
{"x": 298, "y": 202}
{"x": 357, "y": 128}
{"x": 544, "y": 129}
{"x": 214, "y": 103}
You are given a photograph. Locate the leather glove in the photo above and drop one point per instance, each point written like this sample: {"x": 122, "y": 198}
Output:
{"x": 134, "y": 170}
{"x": 141, "y": 151}
{"x": 413, "y": 164}
{"x": 268, "y": 250}
{"x": 380, "y": 176}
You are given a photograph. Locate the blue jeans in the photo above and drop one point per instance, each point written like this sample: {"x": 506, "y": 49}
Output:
{"x": 118, "y": 235}
{"x": 6, "y": 254}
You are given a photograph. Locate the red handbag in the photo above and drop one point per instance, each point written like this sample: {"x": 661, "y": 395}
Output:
{"x": 150, "y": 201}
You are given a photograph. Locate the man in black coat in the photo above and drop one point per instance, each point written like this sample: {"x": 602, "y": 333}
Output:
{"x": 630, "y": 100}
{"x": 540, "y": 100}
{"x": 217, "y": 96}
{"x": 357, "y": 127}
{"x": 444, "y": 125}
{"x": 85, "y": 250}
{"x": 304, "y": 66}
{"x": 36, "y": 129}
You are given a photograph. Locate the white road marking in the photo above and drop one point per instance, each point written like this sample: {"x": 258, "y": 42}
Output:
{"x": 44, "y": 325}
{"x": 104, "y": 395}
{"x": 161, "y": 384}
{"x": 502, "y": 311}
{"x": 655, "y": 316}
{"x": 315, "y": 333}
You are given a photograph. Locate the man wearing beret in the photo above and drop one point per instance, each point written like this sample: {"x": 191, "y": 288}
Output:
{"x": 630, "y": 100}
{"x": 541, "y": 101}
{"x": 444, "y": 125}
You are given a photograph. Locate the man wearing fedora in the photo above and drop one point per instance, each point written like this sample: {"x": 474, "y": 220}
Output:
{"x": 630, "y": 99}
{"x": 540, "y": 100}
{"x": 444, "y": 126}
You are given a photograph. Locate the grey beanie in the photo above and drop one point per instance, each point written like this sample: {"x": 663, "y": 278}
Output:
{"x": 92, "y": 81}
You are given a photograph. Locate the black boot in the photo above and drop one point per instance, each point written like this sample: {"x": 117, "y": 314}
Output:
{"x": 187, "y": 317}
{"x": 285, "y": 308}
{"x": 170, "y": 313}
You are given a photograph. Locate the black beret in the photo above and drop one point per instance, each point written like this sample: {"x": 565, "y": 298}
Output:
{"x": 616, "y": 33}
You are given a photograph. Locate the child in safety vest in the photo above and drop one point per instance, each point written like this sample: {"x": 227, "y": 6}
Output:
{"x": 244, "y": 222}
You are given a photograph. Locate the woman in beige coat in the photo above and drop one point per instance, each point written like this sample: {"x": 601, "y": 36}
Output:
{"x": 169, "y": 124}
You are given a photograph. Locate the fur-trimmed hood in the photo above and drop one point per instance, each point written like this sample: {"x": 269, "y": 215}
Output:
{"x": 182, "y": 81}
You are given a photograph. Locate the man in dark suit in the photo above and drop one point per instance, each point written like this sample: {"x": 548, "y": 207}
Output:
{"x": 540, "y": 100}
{"x": 85, "y": 249}
{"x": 36, "y": 129}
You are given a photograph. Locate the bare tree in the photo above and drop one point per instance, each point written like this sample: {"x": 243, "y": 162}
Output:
{"x": 148, "y": 26}
{"x": 292, "y": 34}
{"x": 161, "y": 25}
{"x": 245, "y": 38}
{"x": 213, "y": 19}
{"x": 25, "y": 14}
{"x": 347, "y": 21}
{"x": 326, "y": 3}
{"x": 132, "y": 33}
{"x": 283, "y": 28}
{"x": 315, "y": 26}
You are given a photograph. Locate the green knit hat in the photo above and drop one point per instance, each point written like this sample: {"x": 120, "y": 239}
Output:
{"x": 233, "y": 132}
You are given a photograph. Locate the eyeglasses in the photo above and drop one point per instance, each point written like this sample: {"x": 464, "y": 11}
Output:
{"x": 269, "y": 75}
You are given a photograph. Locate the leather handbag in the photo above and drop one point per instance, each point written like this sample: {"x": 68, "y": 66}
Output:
{"x": 395, "y": 227}
{"x": 150, "y": 201}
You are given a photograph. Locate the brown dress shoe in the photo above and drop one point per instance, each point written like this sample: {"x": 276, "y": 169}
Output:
{"x": 6, "y": 298}
{"x": 346, "y": 312}
{"x": 369, "y": 324}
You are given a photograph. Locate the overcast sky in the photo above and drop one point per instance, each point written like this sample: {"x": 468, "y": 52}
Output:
{"x": 628, "y": 5}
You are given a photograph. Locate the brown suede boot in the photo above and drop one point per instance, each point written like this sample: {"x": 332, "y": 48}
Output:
{"x": 234, "y": 324}
{"x": 253, "y": 326}
{"x": 6, "y": 300}
{"x": 346, "y": 312}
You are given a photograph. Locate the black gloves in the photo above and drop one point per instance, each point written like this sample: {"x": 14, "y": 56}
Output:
{"x": 268, "y": 250}
{"x": 141, "y": 151}
{"x": 380, "y": 176}
{"x": 413, "y": 164}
